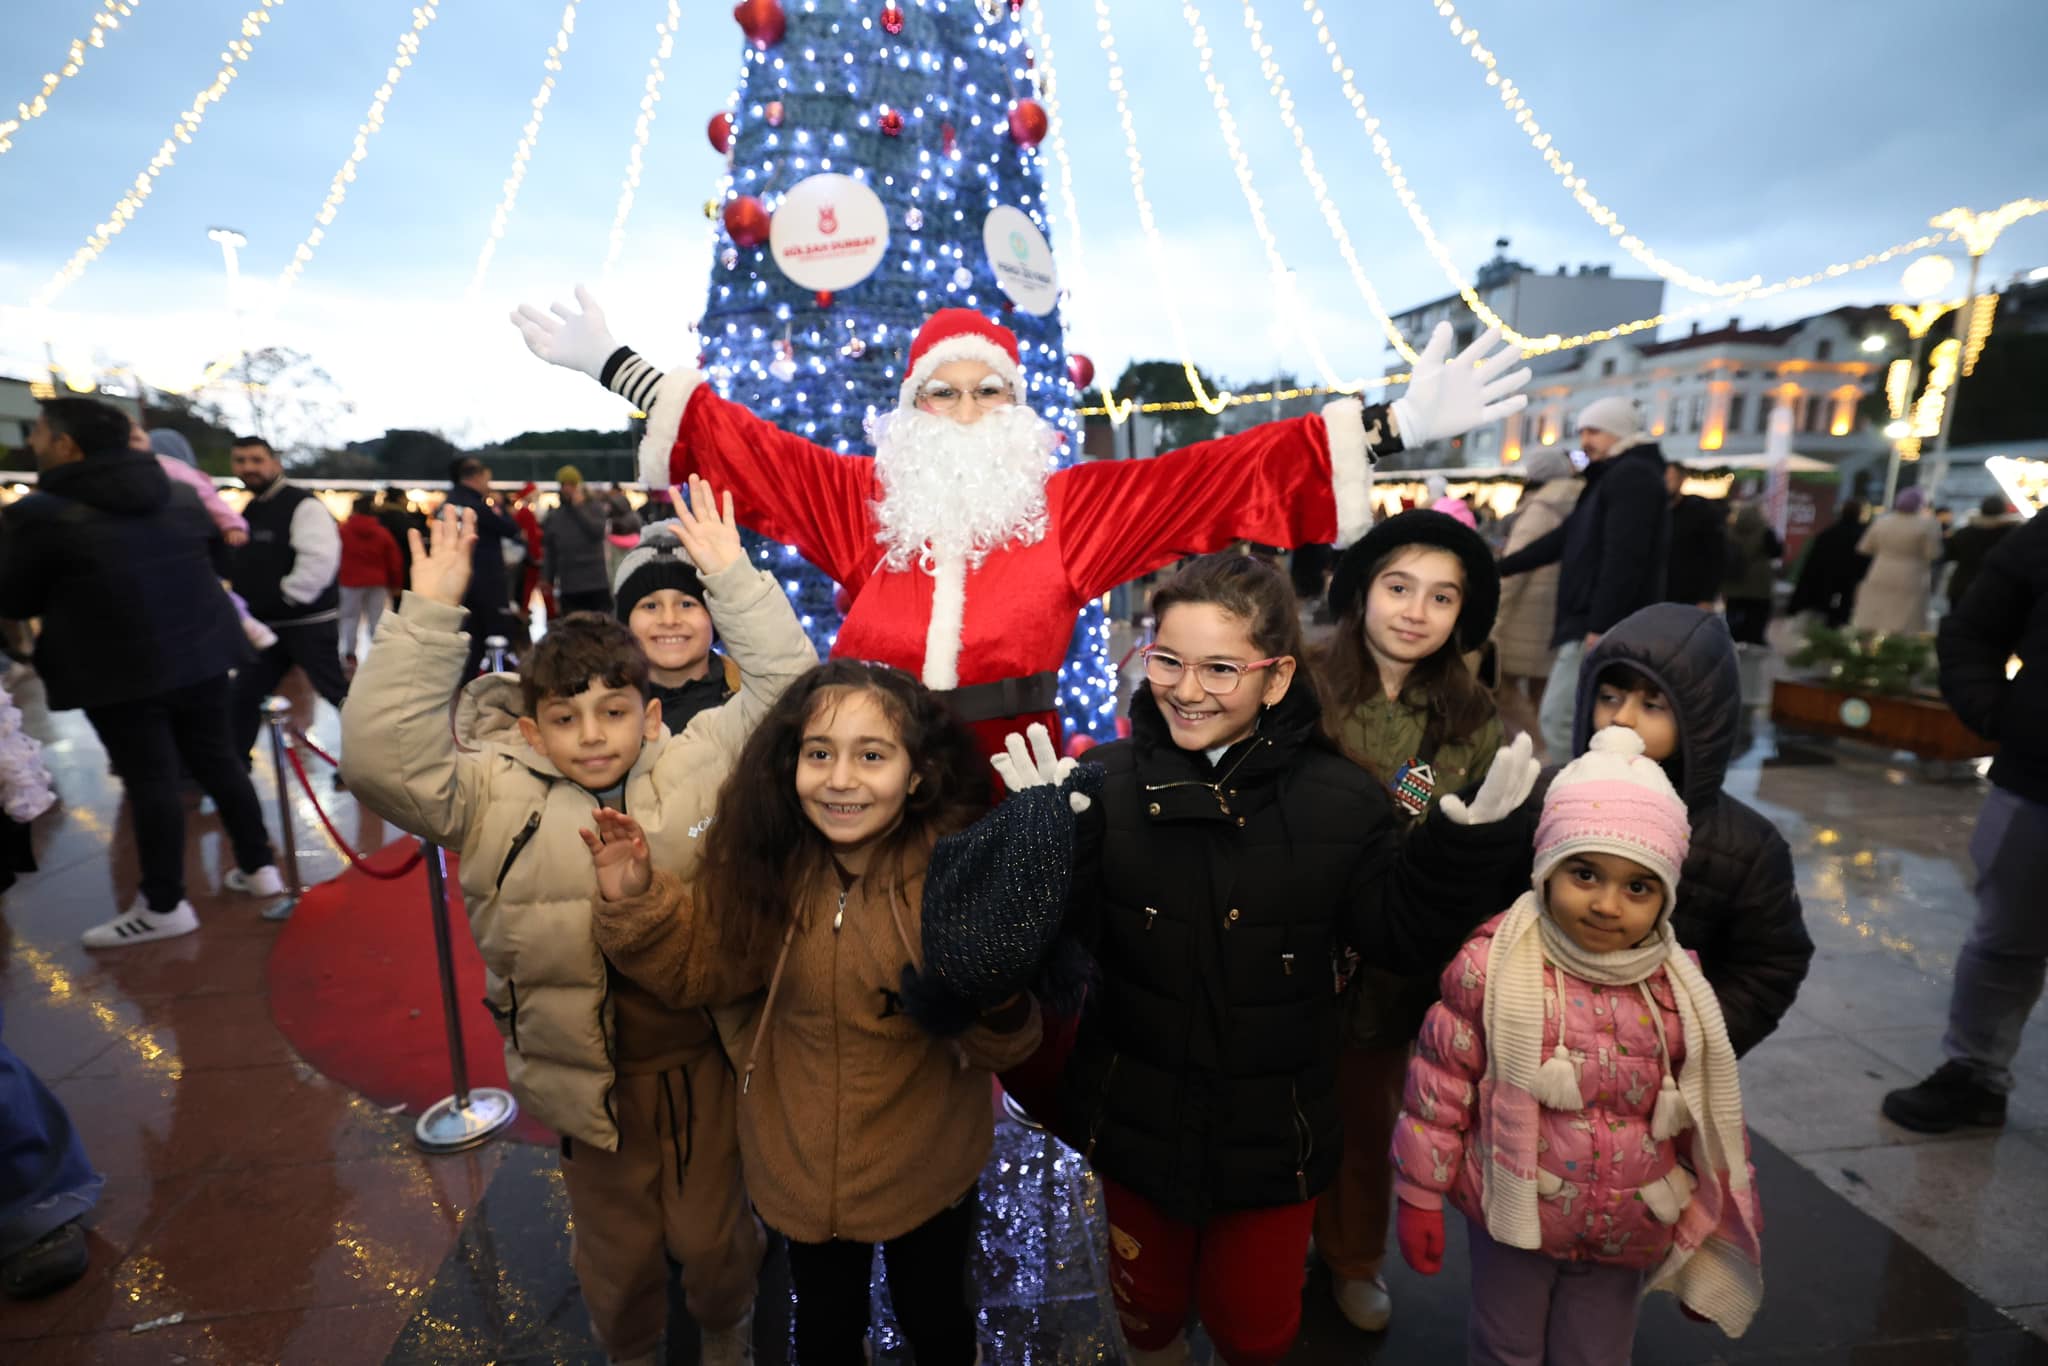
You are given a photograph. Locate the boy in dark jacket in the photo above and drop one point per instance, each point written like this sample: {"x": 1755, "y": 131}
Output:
{"x": 2003, "y": 963}
{"x": 1668, "y": 673}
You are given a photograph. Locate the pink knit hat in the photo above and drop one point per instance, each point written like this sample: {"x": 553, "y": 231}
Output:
{"x": 1614, "y": 799}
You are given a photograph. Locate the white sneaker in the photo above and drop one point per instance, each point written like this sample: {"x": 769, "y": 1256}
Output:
{"x": 264, "y": 881}
{"x": 140, "y": 926}
{"x": 732, "y": 1346}
{"x": 1365, "y": 1303}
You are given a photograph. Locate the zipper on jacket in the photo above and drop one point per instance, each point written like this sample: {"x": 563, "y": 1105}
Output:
{"x": 1101, "y": 1105}
{"x": 1151, "y": 918}
{"x": 512, "y": 990}
{"x": 519, "y": 842}
{"x": 1304, "y": 1142}
{"x": 839, "y": 916}
{"x": 1215, "y": 787}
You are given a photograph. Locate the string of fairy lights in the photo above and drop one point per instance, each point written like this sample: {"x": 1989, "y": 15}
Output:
{"x": 1976, "y": 230}
{"x": 1168, "y": 301}
{"x": 1516, "y": 104}
{"x": 522, "y": 155}
{"x": 239, "y": 50}
{"x": 1075, "y": 267}
{"x": 1290, "y": 308}
{"x": 112, "y": 12}
{"x": 643, "y": 126}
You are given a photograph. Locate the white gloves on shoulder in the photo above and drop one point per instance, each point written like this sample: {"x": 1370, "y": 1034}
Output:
{"x": 573, "y": 340}
{"x": 1446, "y": 400}
{"x": 1039, "y": 767}
{"x": 1508, "y": 784}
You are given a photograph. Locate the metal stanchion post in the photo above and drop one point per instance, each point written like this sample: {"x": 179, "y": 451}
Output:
{"x": 466, "y": 1118}
{"x": 277, "y": 711}
{"x": 494, "y": 652}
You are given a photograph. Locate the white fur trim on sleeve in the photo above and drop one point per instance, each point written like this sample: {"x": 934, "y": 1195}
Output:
{"x": 949, "y": 616}
{"x": 1350, "y": 468}
{"x": 664, "y": 420}
{"x": 967, "y": 346}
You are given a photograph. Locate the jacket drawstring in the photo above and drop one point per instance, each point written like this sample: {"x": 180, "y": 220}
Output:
{"x": 767, "y": 1006}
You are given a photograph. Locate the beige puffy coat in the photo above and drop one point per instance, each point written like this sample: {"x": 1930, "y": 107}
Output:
{"x": 1528, "y": 602}
{"x": 514, "y": 819}
{"x": 1903, "y": 548}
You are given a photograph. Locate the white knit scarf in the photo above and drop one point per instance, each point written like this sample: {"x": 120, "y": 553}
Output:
{"x": 1717, "y": 1276}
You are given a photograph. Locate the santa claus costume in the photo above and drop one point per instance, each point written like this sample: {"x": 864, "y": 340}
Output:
{"x": 964, "y": 555}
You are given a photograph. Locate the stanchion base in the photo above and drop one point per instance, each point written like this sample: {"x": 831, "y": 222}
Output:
{"x": 445, "y": 1128}
{"x": 281, "y": 909}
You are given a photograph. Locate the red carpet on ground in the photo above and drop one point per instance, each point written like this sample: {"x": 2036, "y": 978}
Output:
{"x": 354, "y": 987}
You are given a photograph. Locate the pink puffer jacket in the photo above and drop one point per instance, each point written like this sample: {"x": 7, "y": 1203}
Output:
{"x": 1602, "y": 1154}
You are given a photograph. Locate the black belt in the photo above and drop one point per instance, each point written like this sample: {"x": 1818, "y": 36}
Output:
{"x": 1005, "y": 697}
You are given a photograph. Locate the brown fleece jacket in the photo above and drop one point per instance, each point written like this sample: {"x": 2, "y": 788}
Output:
{"x": 854, "y": 1123}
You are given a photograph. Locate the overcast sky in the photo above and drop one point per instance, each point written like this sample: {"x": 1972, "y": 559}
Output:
{"x": 1736, "y": 138}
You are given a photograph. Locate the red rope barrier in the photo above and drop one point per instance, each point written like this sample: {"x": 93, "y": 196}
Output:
{"x": 302, "y": 738}
{"x": 418, "y": 853}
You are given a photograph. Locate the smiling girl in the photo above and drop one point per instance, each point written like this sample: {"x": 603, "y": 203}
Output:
{"x": 1231, "y": 851}
{"x": 1410, "y": 598}
{"x": 856, "y": 1126}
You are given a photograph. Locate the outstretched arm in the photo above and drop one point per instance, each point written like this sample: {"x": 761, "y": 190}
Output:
{"x": 784, "y": 487}
{"x": 1299, "y": 482}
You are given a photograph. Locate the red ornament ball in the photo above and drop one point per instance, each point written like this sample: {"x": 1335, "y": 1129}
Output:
{"x": 746, "y": 221}
{"x": 842, "y": 601}
{"x": 720, "y": 131}
{"x": 1081, "y": 370}
{"x": 1078, "y": 745}
{"x": 774, "y": 112}
{"x": 762, "y": 21}
{"x": 949, "y": 140}
{"x": 892, "y": 122}
{"x": 1027, "y": 123}
{"x": 823, "y": 298}
{"x": 892, "y": 20}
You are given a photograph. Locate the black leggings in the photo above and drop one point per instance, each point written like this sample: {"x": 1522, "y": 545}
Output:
{"x": 927, "y": 1285}
{"x": 146, "y": 741}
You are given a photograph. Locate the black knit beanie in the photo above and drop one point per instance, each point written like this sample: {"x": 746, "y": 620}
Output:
{"x": 1441, "y": 531}
{"x": 658, "y": 562}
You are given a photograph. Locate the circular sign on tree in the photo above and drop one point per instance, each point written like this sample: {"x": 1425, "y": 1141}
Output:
{"x": 830, "y": 232}
{"x": 1021, "y": 259}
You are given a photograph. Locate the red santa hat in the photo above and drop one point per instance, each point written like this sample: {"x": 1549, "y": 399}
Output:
{"x": 960, "y": 334}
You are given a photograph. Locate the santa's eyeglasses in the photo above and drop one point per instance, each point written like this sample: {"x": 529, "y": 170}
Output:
{"x": 941, "y": 397}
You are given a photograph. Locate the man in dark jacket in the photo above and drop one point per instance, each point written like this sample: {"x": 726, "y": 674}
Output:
{"x": 1827, "y": 581}
{"x": 123, "y": 566}
{"x": 489, "y": 597}
{"x": 397, "y": 517}
{"x": 572, "y": 548}
{"x": 1967, "y": 548}
{"x": 1699, "y": 544}
{"x": 2003, "y": 963}
{"x": 1611, "y": 550}
{"x": 289, "y": 572}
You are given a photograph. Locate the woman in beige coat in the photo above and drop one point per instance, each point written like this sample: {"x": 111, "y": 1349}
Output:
{"x": 1528, "y": 602}
{"x": 1904, "y": 546}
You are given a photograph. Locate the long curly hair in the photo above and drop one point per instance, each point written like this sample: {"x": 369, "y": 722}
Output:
{"x": 1458, "y": 705}
{"x": 762, "y": 853}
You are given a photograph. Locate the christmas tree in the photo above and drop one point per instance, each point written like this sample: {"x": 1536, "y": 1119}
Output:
{"x": 928, "y": 105}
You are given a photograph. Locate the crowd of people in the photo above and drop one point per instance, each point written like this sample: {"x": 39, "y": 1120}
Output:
{"x": 1318, "y": 949}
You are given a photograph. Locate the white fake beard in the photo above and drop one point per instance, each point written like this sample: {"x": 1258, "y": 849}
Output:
{"x": 958, "y": 488}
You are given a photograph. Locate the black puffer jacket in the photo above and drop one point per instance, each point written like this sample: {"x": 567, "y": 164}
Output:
{"x": 1611, "y": 550}
{"x": 2004, "y": 614}
{"x": 1204, "y": 1074}
{"x": 124, "y": 567}
{"x": 1738, "y": 899}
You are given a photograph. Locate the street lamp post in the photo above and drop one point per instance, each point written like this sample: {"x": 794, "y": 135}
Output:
{"x": 1925, "y": 278}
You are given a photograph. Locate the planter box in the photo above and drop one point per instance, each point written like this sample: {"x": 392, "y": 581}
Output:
{"x": 1922, "y": 726}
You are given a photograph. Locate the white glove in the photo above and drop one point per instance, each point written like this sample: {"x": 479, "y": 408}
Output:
{"x": 1508, "y": 784}
{"x": 1450, "y": 400}
{"x": 577, "y": 341}
{"x": 1038, "y": 768}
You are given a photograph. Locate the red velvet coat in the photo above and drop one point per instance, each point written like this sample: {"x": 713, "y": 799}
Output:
{"x": 1108, "y": 522}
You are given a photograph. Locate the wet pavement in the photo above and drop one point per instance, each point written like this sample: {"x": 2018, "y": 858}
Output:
{"x": 256, "y": 1212}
